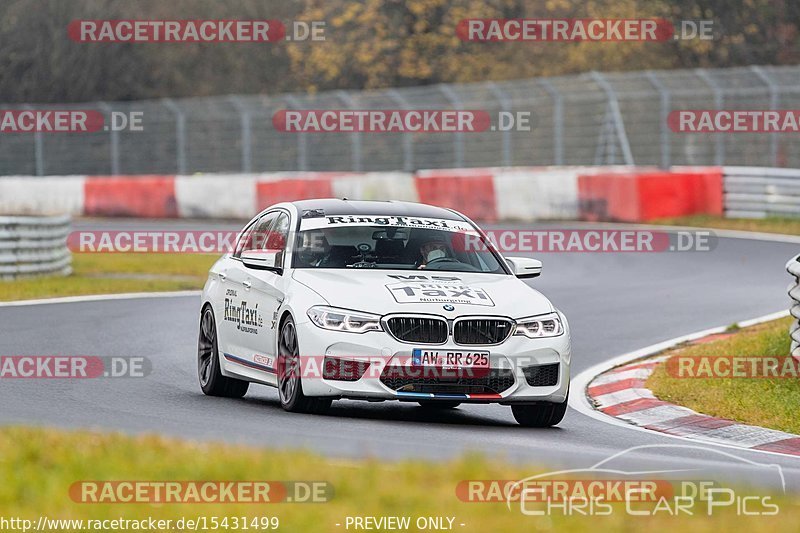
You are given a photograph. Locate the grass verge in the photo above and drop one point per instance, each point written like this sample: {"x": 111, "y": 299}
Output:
{"x": 39, "y": 465}
{"x": 96, "y": 273}
{"x": 784, "y": 225}
{"x": 771, "y": 403}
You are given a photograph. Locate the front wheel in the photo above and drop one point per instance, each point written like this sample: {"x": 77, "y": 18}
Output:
{"x": 290, "y": 385}
{"x": 540, "y": 415}
{"x": 212, "y": 382}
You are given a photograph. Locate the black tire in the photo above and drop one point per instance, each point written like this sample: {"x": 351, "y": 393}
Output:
{"x": 290, "y": 384}
{"x": 437, "y": 404}
{"x": 540, "y": 415}
{"x": 212, "y": 382}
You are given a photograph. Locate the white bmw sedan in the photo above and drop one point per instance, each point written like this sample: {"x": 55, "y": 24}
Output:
{"x": 332, "y": 299}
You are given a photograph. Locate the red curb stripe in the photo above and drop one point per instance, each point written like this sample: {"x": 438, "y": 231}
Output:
{"x": 712, "y": 338}
{"x": 632, "y": 367}
{"x": 695, "y": 421}
{"x": 787, "y": 446}
{"x": 630, "y": 383}
{"x": 632, "y": 406}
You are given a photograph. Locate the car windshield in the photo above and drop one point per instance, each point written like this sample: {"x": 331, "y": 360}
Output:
{"x": 412, "y": 244}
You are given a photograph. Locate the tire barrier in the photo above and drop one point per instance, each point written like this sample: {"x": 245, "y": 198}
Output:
{"x": 793, "y": 267}
{"x": 34, "y": 246}
{"x": 524, "y": 194}
{"x": 753, "y": 192}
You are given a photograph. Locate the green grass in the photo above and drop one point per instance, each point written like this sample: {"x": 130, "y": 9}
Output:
{"x": 39, "y": 465}
{"x": 785, "y": 225}
{"x": 96, "y": 273}
{"x": 771, "y": 403}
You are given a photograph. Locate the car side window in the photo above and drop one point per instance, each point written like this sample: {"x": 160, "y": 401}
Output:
{"x": 278, "y": 237}
{"x": 256, "y": 235}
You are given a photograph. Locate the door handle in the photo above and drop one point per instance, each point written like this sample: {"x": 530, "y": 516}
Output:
{"x": 247, "y": 284}
{"x": 223, "y": 276}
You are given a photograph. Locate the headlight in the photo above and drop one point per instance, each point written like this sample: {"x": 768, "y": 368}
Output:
{"x": 536, "y": 327}
{"x": 344, "y": 319}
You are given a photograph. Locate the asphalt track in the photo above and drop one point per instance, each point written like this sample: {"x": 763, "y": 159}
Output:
{"x": 616, "y": 302}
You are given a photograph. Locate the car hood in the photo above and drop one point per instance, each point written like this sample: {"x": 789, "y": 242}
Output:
{"x": 402, "y": 291}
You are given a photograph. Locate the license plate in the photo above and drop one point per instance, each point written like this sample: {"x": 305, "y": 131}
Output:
{"x": 449, "y": 358}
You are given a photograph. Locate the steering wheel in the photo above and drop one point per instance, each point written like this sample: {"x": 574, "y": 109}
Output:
{"x": 442, "y": 260}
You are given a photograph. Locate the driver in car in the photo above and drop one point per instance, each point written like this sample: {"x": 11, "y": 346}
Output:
{"x": 432, "y": 251}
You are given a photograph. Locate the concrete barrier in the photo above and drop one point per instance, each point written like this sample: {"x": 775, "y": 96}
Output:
{"x": 635, "y": 196}
{"x": 631, "y": 194}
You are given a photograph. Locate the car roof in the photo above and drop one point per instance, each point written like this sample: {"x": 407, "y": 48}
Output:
{"x": 334, "y": 206}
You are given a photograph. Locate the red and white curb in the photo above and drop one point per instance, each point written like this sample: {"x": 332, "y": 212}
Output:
{"x": 615, "y": 392}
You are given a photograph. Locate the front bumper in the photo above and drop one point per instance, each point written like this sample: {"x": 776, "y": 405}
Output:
{"x": 510, "y": 368}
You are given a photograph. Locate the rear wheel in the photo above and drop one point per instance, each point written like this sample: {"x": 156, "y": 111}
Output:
{"x": 212, "y": 382}
{"x": 434, "y": 404}
{"x": 540, "y": 415}
{"x": 290, "y": 385}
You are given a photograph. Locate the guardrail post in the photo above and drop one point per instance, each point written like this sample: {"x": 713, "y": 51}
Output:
{"x": 38, "y": 149}
{"x": 616, "y": 116}
{"x": 355, "y": 137}
{"x": 793, "y": 267}
{"x": 505, "y": 106}
{"x": 719, "y": 102}
{"x": 408, "y": 141}
{"x": 558, "y": 121}
{"x": 180, "y": 134}
{"x": 302, "y": 143}
{"x": 774, "y": 103}
{"x": 458, "y": 138}
{"x": 113, "y": 136}
{"x": 244, "y": 116}
{"x": 666, "y": 103}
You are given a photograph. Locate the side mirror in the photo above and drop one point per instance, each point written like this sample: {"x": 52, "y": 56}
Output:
{"x": 525, "y": 267}
{"x": 263, "y": 259}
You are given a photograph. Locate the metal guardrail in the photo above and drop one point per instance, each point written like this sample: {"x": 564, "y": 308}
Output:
{"x": 31, "y": 246}
{"x": 753, "y": 192}
{"x": 793, "y": 266}
{"x": 585, "y": 119}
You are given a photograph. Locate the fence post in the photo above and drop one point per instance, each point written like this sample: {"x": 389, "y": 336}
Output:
{"x": 616, "y": 116}
{"x": 666, "y": 103}
{"x": 505, "y": 106}
{"x": 558, "y": 120}
{"x": 180, "y": 134}
{"x": 719, "y": 102}
{"x": 302, "y": 146}
{"x": 38, "y": 150}
{"x": 408, "y": 141}
{"x": 246, "y": 124}
{"x": 355, "y": 137}
{"x": 793, "y": 267}
{"x": 113, "y": 139}
{"x": 458, "y": 138}
{"x": 774, "y": 103}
